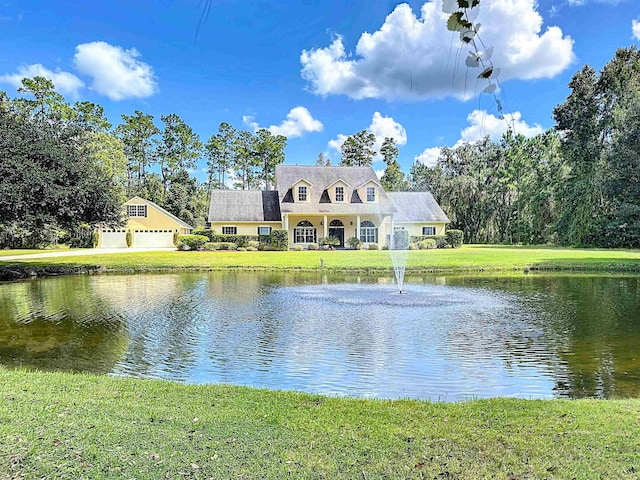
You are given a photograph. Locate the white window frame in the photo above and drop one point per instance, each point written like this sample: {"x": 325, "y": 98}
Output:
{"x": 268, "y": 231}
{"x": 225, "y": 230}
{"x": 339, "y": 194}
{"x": 368, "y": 234}
{"x": 431, "y": 227}
{"x": 302, "y": 193}
{"x": 137, "y": 210}
{"x": 306, "y": 233}
{"x": 371, "y": 194}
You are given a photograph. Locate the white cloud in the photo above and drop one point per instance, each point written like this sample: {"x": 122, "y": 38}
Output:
{"x": 298, "y": 122}
{"x": 635, "y": 28}
{"x": 429, "y": 156}
{"x": 65, "y": 82}
{"x": 116, "y": 72}
{"x": 408, "y": 57}
{"x": 381, "y": 127}
{"x": 480, "y": 125}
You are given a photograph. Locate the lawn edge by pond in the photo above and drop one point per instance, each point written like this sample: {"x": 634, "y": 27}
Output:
{"x": 85, "y": 426}
{"x": 469, "y": 258}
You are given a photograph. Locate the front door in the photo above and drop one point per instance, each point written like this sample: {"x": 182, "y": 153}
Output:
{"x": 337, "y": 232}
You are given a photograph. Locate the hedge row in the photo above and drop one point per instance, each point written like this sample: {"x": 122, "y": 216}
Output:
{"x": 277, "y": 240}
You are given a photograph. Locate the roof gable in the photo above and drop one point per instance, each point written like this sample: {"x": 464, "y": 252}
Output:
{"x": 136, "y": 200}
{"x": 416, "y": 207}
{"x": 244, "y": 206}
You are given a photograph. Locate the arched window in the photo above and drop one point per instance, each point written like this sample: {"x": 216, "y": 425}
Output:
{"x": 336, "y": 223}
{"x": 304, "y": 232}
{"x": 368, "y": 232}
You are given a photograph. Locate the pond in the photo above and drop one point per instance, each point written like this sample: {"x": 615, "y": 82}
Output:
{"x": 448, "y": 338}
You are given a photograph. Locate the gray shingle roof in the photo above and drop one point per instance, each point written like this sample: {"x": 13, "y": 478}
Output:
{"x": 244, "y": 206}
{"x": 416, "y": 207}
{"x": 323, "y": 177}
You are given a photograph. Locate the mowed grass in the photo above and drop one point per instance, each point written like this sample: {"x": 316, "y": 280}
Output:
{"x": 56, "y": 425}
{"x": 467, "y": 258}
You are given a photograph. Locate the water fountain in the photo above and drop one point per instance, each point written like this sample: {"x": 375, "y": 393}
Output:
{"x": 398, "y": 247}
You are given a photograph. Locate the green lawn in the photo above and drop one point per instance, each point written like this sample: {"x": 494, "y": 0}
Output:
{"x": 5, "y": 253}
{"x": 467, "y": 258}
{"x": 57, "y": 425}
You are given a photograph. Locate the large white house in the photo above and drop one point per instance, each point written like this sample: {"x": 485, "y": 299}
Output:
{"x": 312, "y": 202}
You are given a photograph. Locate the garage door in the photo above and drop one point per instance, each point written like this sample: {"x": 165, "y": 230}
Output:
{"x": 113, "y": 239}
{"x": 152, "y": 239}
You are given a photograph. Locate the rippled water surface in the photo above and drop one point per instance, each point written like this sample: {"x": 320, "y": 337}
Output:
{"x": 447, "y": 338}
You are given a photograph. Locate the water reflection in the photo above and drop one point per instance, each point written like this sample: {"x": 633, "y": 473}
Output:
{"x": 449, "y": 338}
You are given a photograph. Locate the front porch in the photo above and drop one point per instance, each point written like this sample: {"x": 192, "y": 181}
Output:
{"x": 305, "y": 229}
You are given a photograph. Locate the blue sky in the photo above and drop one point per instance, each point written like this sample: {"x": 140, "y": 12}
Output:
{"x": 314, "y": 70}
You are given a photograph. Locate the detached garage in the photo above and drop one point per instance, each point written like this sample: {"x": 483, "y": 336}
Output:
{"x": 150, "y": 226}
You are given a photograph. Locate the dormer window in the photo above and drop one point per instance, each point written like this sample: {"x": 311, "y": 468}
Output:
{"x": 371, "y": 194}
{"x": 302, "y": 193}
{"x": 339, "y": 194}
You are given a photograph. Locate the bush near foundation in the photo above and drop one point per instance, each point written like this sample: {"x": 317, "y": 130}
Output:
{"x": 192, "y": 242}
{"x": 441, "y": 240}
{"x": 279, "y": 239}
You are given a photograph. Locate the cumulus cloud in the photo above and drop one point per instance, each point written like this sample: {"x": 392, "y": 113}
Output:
{"x": 480, "y": 125}
{"x": 65, "y": 82}
{"x": 381, "y": 127}
{"x": 429, "y": 156}
{"x": 298, "y": 122}
{"x": 407, "y": 57}
{"x": 116, "y": 72}
{"x": 635, "y": 28}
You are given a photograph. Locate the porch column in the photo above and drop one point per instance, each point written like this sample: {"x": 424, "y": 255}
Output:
{"x": 326, "y": 228}
{"x": 391, "y": 235}
{"x": 358, "y": 226}
{"x": 285, "y": 221}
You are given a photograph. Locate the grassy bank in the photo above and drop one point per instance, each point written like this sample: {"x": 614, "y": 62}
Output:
{"x": 469, "y": 258}
{"x": 80, "y": 426}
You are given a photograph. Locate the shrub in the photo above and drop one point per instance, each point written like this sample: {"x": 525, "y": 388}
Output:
{"x": 95, "y": 239}
{"x": 207, "y": 232}
{"x": 240, "y": 240}
{"x": 373, "y": 246}
{"x": 225, "y": 246}
{"x": 454, "y": 238}
{"x": 312, "y": 246}
{"x": 251, "y": 249}
{"x": 129, "y": 238}
{"x": 192, "y": 242}
{"x": 355, "y": 243}
{"x": 279, "y": 239}
{"x": 329, "y": 241}
{"x": 242, "y": 249}
{"x": 412, "y": 246}
{"x": 441, "y": 240}
{"x": 400, "y": 240}
{"x": 176, "y": 239}
{"x": 253, "y": 244}
{"x": 427, "y": 244}
{"x": 297, "y": 248}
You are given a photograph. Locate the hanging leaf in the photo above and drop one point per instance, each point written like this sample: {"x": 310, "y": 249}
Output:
{"x": 475, "y": 3}
{"x": 472, "y": 61}
{"x": 486, "y": 73}
{"x": 463, "y": 3}
{"x": 491, "y": 88}
{"x": 477, "y": 27}
{"x": 486, "y": 55}
{"x": 467, "y": 36}
{"x": 453, "y": 24}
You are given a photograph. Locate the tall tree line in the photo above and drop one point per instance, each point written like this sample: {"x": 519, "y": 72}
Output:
{"x": 578, "y": 184}
{"x": 64, "y": 168}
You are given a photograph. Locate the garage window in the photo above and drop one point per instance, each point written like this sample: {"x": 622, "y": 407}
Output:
{"x": 137, "y": 210}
